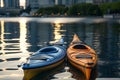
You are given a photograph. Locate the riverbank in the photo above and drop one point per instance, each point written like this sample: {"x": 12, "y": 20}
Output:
{"x": 107, "y": 78}
{"x": 62, "y": 19}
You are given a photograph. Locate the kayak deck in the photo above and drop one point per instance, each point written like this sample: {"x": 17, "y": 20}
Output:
{"x": 81, "y": 56}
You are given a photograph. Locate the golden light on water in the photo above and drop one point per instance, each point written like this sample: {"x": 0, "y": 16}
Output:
{"x": 2, "y": 37}
{"x": 57, "y": 28}
{"x": 23, "y": 33}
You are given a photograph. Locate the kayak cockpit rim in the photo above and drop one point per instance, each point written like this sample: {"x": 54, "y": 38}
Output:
{"x": 49, "y": 49}
{"x": 79, "y": 46}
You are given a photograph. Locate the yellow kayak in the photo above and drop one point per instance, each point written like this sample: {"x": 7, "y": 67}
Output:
{"x": 81, "y": 56}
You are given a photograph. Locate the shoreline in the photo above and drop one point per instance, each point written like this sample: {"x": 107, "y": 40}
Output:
{"x": 109, "y": 17}
{"x": 62, "y": 19}
{"x": 107, "y": 78}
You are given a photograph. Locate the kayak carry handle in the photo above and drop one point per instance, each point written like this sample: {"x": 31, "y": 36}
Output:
{"x": 20, "y": 64}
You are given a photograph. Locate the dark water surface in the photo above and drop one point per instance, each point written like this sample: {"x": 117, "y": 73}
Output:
{"x": 20, "y": 37}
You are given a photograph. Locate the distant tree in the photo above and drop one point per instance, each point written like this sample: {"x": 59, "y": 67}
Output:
{"x": 73, "y": 10}
{"x": 110, "y": 8}
{"x": 93, "y": 10}
{"x": 28, "y": 9}
{"x": 61, "y": 9}
{"x": 84, "y": 9}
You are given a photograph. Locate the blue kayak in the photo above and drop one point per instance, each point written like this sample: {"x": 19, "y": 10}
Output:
{"x": 44, "y": 59}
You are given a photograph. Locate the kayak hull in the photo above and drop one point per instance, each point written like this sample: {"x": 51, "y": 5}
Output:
{"x": 30, "y": 73}
{"x": 44, "y": 59}
{"x": 82, "y": 56}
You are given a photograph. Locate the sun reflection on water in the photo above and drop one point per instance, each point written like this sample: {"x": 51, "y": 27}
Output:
{"x": 57, "y": 30}
{"x": 12, "y": 47}
{"x": 2, "y": 38}
{"x": 23, "y": 33}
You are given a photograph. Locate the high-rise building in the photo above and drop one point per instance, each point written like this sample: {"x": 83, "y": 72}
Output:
{"x": 67, "y": 2}
{"x": 52, "y": 2}
{"x": 44, "y": 3}
{"x": 104, "y": 1}
{"x": 11, "y": 3}
{"x": 89, "y": 1}
{"x": 84, "y": 1}
{"x": 34, "y": 4}
{"x": 0, "y": 3}
{"x": 81, "y": 1}
{"x": 58, "y": 2}
{"x": 27, "y": 3}
{"x": 75, "y": 1}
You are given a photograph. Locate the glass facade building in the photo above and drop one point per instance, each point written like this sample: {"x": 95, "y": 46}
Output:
{"x": 11, "y": 3}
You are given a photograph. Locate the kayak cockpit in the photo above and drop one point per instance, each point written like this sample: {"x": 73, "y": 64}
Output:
{"x": 44, "y": 57}
{"x": 49, "y": 50}
{"x": 79, "y": 46}
{"x": 45, "y": 54}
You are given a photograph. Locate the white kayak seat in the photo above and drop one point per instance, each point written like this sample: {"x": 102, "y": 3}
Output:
{"x": 83, "y": 56}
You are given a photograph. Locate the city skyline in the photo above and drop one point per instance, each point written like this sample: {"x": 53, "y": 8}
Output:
{"x": 22, "y": 3}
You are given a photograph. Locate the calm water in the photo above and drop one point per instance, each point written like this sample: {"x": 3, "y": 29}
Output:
{"x": 20, "y": 37}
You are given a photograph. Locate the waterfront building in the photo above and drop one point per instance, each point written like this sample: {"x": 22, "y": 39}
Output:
{"x": 82, "y": 1}
{"x": 67, "y": 2}
{"x": 103, "y": 1}
{"x": 45, "y": 3}
{"x": 35, "y": 4}
{"x": 9, "y": 7}
{"x": 89, "y": 1}
{"x": 52, "y": 2}
{"x": 11, "y": 3}
{"x": 58, "y": 2}
{"x": 71, "y": 2}
{"x": 32, "y": 3}
{"x": 27, "y": 3}
{"x": 0, "y": 3}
